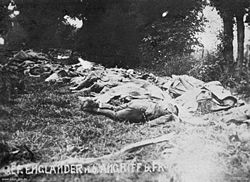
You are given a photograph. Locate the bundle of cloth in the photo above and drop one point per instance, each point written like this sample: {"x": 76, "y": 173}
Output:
{"x": 126, "y": 95}
{"x": 191, "y": 93}
{"x": 14, "y": 69}
{"x": 194, "y": 97}
{"x": 123, "y": 95}
{"x": 137, "y": 101}
{"x": 33, "y": 64}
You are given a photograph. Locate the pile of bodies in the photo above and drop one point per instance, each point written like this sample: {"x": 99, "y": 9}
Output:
{"x": 128, "y": 95}
{"x": 123, "y": 94}
{"x": 14, "y": 69}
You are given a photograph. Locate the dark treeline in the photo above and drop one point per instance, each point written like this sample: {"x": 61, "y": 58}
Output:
{"x": 233, "y": 12}
{"x": 114, "y": 32}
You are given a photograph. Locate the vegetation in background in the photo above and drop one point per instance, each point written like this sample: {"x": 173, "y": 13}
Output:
{"x": 48, "y": 118}
{"x": 156, "y": 35}
{"x": 114, "y": 32}
{"x": 230, "y": 11}
{"x": 128, "y": 33}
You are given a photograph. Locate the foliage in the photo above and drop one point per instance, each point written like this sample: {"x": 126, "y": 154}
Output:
{"x": 211, "y": 68}
{"x": 231, "y": 10}
{"x": 167, "y": 66}
{"x": 239, "y": 83}
{"x": 173, "y": 37}
{"x": 208, "y": 68}
{"x": 42, "y": 22}
{"x": 115, "y": 33}
{"x": 230, "y": 5}
{"x": 4, "y": 20}
{"x": 110, "y": 37}
{"x": 175, "y": 33}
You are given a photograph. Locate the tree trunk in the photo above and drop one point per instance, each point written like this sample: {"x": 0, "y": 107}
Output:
{"x": 240, "y": 40}
{"x": 227, "y": 17}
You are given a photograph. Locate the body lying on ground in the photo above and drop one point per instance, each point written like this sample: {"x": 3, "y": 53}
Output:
{"x": 137, "y": 110}
{"x": 96, "y": 80}
{"x": 124, "y": 97}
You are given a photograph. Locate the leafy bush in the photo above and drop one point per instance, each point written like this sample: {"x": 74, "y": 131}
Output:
{"x": 241, "y": 83}
{"x": 208, "y": 69}
{"x": 168, "y": 66}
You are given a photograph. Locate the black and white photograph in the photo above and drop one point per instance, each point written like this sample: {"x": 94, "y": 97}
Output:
{"x": 125, "y": 90}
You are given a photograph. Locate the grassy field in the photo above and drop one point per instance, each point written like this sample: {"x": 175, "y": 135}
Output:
{"x": 48, "y": 120}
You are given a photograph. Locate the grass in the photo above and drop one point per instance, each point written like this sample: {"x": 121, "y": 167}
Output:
{"x": 49, "y": 121}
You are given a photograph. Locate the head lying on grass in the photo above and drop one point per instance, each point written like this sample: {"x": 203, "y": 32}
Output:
{"x": 137, "y": 110}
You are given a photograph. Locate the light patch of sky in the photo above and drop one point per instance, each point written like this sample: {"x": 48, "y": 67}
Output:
{"x": 14, "y": 14}
{"x": 75, "y": 22}
{"x": 1, "y": 40}
{"x": 209, "y": 38}
{"x": 247, "y": 32}
{"x": 211, "y": 30}
{"x": 164, "y": 14}
{"x": 247, "y": 37}
{"x": 11, "y": 6}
